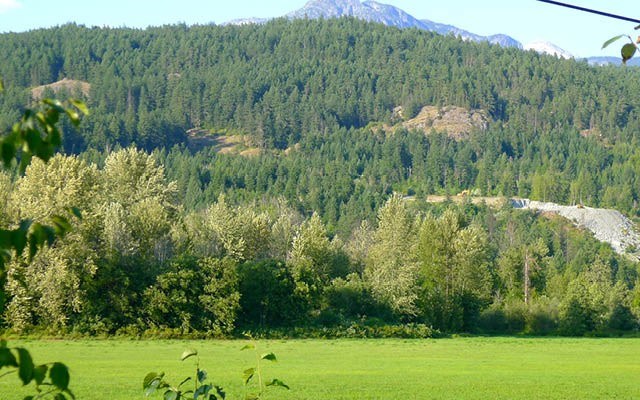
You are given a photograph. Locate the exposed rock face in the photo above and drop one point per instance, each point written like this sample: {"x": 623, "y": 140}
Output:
{"x": 609, "y": 226}
{"x": 457, "y": 122}
{"x": 223, "y": 144}
{"x": 71, "y": 85}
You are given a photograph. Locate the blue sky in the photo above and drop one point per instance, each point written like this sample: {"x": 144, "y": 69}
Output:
{"x": 525, "y": 20}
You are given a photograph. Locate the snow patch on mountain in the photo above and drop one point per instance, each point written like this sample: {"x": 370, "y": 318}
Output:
{"x": 548, "y": 48}
{"x": 247, "y": 21}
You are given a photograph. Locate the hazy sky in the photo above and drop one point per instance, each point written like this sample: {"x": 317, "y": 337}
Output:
{"x": 526, "y": 20}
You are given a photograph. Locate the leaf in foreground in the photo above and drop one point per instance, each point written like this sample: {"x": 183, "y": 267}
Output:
{"x": 278, "y": 382}
{"x": 25, "y": 369}
{"x": 248, "y": 374}
{"x": 628, "y": 50}
{"x": 613, "y": 39}
{"x": 188, "y": 353}
{"x": 59, "y": 374}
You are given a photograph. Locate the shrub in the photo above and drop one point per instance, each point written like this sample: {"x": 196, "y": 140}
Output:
{"x": 199, "y": 295}
{"x": 516, "y": 315}
{"x": 268, "y": 295}
{"x": 493, "y": 320}
{"x": 541, "y": 318}
{"x": 351, "y": 298}
{"x": 576, "y": 319}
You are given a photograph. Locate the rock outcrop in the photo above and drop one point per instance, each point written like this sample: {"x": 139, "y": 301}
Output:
{"x": 71, "y": 85}
{"x": 457, "y": 122}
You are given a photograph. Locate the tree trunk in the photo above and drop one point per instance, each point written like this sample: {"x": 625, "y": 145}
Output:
{"x": 527, "y": 259}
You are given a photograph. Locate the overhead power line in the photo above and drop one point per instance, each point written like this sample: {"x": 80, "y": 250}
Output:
{"x": 589, "y": 10}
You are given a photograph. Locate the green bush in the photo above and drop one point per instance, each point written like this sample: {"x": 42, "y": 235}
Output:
{"x": 493, "y": 320}
{"x": 622, "y": 319}
{"x": 351, "y": 299}
{"x": 268, "y": 295}
{"x": 516, "y": 316}
{"x": 541, "y": 318}
{"x": 352, "y": 331}
{"x": 576, "y": 319}
{"x": 195, "y": 295}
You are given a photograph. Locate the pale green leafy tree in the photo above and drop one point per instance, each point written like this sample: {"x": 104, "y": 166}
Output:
{"x": 592, "y": 301}
{"x": 137, "y": 205}
{"x": 117, "y": 235}
{"x": 472, "y": 274}
{"x": 454, "y": 266}
{"x": 151, "y": 221}
{"x": 121, "y": 222}
{"x": 312, "y": 258}
{"x": 6, "y": 188}
{"x": 49, "y": 188}
{"x": 47, "y": 289}
{"x": 357, "y": 248}
{"x": 131, "y": 176}
{"x": 284, "y": 228}
{"x": 391, "y": 269}
{"x": 193, "y": 236}
{"x": 35, "y": 135}
{"x": 222, "y": 226}
{"x": 243, "y": 233}
{"x": 519, "y": 265}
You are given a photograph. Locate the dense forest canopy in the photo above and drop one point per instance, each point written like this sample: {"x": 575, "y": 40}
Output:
{"x": 286, "y": 78}
{"x": 314, "y": 228}
{"x": 561, "y": 130}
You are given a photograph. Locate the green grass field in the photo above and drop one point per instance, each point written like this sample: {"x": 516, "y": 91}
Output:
{"x": 460, "y": 368}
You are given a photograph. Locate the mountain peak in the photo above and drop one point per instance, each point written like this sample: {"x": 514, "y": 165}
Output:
{"x": 328, "y": 9}
{"x": 370, "y": 10}
{"x": 388, "y": 15}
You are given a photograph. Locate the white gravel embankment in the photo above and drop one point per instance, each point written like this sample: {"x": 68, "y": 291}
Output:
{"x": 607, "y": 225}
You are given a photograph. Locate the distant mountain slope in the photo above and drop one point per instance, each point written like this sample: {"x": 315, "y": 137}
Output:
{"x": 391, "y": 16}
{"x": 369, "y": 11}
{"x": 444, "y": 29}
{"x": 635, "y": 62}
{"x": 247, "y": 21}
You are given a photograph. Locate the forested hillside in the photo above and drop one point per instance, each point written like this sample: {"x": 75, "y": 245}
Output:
{"x": 287, "y": 79}
{"x": 562, "y": 130}
{"x": 305, "y": 229}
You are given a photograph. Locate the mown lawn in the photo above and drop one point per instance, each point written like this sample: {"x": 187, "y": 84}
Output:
{"x": 460, "y": 368}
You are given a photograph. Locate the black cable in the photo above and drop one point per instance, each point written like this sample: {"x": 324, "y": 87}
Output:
{"x": 605, "y": 14}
